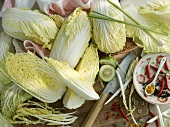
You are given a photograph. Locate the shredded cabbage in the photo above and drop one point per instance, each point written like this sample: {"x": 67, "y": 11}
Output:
{"x": 43, "y": 113}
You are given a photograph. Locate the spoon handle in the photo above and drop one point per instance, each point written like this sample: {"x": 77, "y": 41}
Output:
{"x": 159, "y": 68}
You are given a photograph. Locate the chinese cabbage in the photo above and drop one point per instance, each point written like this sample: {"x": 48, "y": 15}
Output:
{"x": 88, "y": 68}
{"x": 5, "y": 47}
{"x": 29, "y": 25}
{"x": 41, "y": 113}
{"x": 148, "y": 13}
{"x": 73, "y": 79}
{"x": 11, "y": 97}
{"x": 35, "y": 76}
{"x": 4, "y": 122}
{"x": 109, "y": 36}
{"x": 72, "y": 39}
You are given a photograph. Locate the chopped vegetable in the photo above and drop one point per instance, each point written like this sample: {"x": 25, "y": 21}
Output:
{"x": 29, "y": 25}
{"x": 73, "y": 79}
{"x": 167, "y": 82}
{"x": 146, "y": 124}
{"x": 166, "y": 65}
{"x": 72, "y": 39}
{"x": 108, "y": 60}
{"x": 11, "y": 97}
{"x": 155, "y": 68}
{"x": 160, "y": 116}
{"x": 122, "y": 89}
{"x": 110, "y": 37}
{"x": 124, "y": 115}
{"x": 151, "y": 79}
{"x": 157, "y": 121}
{"x": 88, "y": 68}
{"x": 162, "y": 87}
{"x": 107, "y": 73}
{"x": 35, "y": 76}
{"x": 148, "y": 71}
{"x": 34, "y": 112}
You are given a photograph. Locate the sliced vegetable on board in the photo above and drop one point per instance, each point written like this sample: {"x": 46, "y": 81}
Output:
{"x": 108, "y": 60}
{"x": 35, "y": 76}
{"x": 107, "y": 73}
{"x": 31, "y": 112}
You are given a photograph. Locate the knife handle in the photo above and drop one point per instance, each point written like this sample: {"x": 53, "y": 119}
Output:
{"x": 95, "y": 111}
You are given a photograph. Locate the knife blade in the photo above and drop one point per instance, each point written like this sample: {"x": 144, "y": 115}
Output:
{"x": 111, "y": 87}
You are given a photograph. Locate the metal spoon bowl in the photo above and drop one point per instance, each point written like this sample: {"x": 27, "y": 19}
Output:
{"x": 153, "y": 83}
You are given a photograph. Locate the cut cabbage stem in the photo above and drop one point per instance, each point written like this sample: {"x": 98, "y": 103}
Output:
{"x": 159, "y": 41}
{"x": 98, "y": 15}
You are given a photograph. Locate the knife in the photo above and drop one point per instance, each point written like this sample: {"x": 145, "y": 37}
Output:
{"x": 111, "y": 87}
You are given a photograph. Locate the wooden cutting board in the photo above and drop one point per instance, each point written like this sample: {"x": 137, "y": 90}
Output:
{"x": 141, "y": 106}
{"x": 115, "y": 116}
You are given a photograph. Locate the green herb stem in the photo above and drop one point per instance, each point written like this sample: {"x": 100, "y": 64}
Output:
{"x": 159, "y": 41}
{"x": 98, "y": 15}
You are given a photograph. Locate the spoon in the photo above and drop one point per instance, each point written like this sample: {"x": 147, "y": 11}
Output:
{"x": 150, "y": 88}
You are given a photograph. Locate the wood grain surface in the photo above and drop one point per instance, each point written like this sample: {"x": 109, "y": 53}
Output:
{"x": 115, "y": 116}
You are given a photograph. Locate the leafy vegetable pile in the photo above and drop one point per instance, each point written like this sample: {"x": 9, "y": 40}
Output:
{"x": 73, "y": 62}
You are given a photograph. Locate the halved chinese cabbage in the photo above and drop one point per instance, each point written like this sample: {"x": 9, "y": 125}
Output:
{"x": 73, "y": 79}
{"x": 109, "y": 36}
{"x": 29, "y": 25}
{"x": 88, "y": 67}
{"x": 151, "y": 13}
{"x": 72, "y": 39}
{"x": 35, "y": 76}
{"x": 5, "y": 47}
